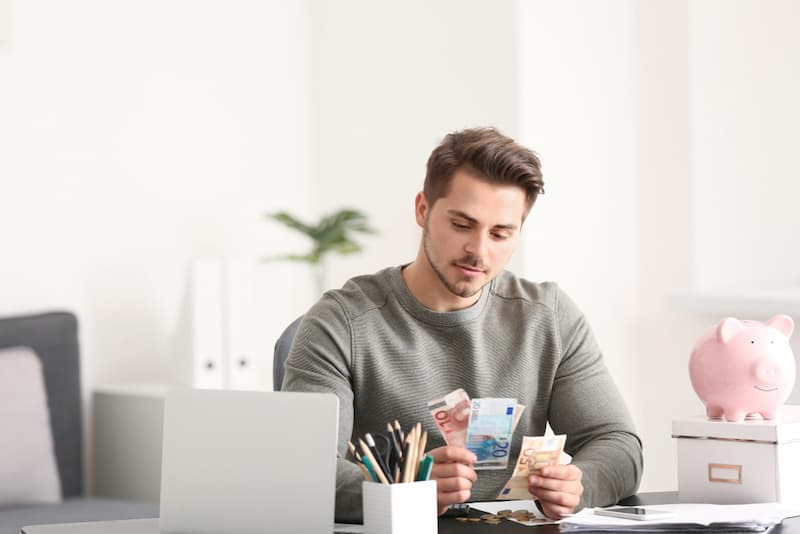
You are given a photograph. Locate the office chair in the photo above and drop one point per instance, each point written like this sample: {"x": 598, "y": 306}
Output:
{"x": 282, "y": 347}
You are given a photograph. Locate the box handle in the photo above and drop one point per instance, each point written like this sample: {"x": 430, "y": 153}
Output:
{"x": 725, "y": 473}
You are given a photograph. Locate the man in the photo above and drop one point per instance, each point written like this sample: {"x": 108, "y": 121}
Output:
{"x": 389, "y": 342}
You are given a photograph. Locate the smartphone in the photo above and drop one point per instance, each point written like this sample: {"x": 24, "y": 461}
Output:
{"x": 634, "y": 512}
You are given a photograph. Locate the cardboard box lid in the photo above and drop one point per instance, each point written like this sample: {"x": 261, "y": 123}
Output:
{"x": 783, "y": 430}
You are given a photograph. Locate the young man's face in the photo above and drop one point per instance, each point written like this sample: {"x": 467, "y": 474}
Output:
{"x": 470, "y": 234}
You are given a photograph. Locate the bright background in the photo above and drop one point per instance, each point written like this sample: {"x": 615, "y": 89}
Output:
{"x": 137, "y": 137}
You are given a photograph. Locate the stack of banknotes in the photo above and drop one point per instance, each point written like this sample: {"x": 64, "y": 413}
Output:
{"x": 485, "y": 427}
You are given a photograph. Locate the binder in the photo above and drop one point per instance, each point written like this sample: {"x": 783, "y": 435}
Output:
{"x": 208, "y": 365}
{"x": 244, "y": 364}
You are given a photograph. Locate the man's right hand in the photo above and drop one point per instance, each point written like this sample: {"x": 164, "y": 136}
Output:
{"x": 452, "y": 470}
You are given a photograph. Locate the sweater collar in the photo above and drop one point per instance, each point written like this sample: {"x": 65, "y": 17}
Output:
{"x": 415, "y": 308}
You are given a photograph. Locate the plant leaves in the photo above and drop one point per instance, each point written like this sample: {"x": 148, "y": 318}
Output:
{"x": 331, "y": 234}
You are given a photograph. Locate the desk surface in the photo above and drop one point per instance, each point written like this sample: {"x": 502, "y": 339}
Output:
{"x": 448, "y": 525}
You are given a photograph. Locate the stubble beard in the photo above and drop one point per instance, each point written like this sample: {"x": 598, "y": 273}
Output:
{"x": 466, "y": 291}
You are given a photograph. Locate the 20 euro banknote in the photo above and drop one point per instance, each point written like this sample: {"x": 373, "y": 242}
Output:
{"x": 491, "y": 423}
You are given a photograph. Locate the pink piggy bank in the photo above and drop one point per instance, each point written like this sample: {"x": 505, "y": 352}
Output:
{"x": 740, "y": 368}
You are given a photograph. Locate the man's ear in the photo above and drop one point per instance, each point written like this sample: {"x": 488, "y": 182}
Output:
{"x": 421, "y": 209}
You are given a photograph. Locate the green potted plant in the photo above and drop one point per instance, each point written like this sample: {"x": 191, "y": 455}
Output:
{"x": 332, "y": 234}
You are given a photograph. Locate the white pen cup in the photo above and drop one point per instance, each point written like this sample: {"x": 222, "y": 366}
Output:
{"x": 403, "y": 508}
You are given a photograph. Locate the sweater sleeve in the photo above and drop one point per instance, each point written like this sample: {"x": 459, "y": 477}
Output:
{"x": 587, "y": 406}
{"x": 320, "y": 361}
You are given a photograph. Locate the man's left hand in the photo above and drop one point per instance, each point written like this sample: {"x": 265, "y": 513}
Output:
{"x": 558, "y": 488}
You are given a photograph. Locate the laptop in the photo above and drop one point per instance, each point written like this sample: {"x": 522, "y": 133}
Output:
{"x": 240, "y": 462}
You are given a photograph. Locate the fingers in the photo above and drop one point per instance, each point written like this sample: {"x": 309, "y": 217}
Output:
{"x": 563, "y": 472}
{"x": 556, "y": 499}
{"x": 558, "y": 489}
{"x": 445, "y": 499}
{"x": 555, "y": 511}
{"x": 557, "y": 477}
{"x": 451, "y": 454}
{"x": 453, "y": 483}
{"x": 454, "y": 475}
{"x": 453, "y": 470}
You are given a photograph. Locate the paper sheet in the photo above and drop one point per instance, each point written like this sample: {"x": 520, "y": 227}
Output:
{"x": 754, "y": 517}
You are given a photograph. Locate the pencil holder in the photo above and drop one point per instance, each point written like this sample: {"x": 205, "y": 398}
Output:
{"x": 404, "y": 508}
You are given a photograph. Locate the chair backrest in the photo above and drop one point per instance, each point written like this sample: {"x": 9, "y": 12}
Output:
{"x": 282, "y": 347}
{"x": 54, "y": 338}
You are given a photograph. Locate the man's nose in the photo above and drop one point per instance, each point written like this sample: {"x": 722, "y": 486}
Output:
{"x": 477, "y": 245}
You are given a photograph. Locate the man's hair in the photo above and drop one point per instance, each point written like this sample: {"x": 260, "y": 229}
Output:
{"x": 490, "y": 155}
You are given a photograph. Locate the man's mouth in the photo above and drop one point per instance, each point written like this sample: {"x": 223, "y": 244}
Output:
{"x": 763, "y": 389}
{"x": 469, "y": 271}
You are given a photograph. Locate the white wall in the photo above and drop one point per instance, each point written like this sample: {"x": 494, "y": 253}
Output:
{"x": 136, "y": 137}
{"x": 390, "y": 80}
{"x": 664, "y": 129}
{"x": 745, "y": 82}
{"x": 577, "y": 80}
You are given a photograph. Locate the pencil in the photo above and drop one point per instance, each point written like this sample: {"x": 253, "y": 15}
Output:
{"x": 353, "y": 451}
{"x": 365, "y": 471}
{"x": 409, "y": 470}
{"x": 417, "y": 452}
{"x": 399, "y": 431}
{"x": 395, "y": 441}
{"x": 367, "y": 454}
{"x": 404, "y": 461}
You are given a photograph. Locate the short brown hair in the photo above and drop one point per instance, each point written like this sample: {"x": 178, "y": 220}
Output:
{"x": 487, "y": 153}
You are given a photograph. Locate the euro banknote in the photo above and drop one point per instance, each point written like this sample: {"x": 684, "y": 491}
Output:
{"x": 536, "y": 452}
{"x": 451, "y": 415}
{"x": 491, "y": 423}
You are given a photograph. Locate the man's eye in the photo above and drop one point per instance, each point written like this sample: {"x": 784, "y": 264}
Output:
{"x": 460, "y": 226}
{"x": 500, "y": 237}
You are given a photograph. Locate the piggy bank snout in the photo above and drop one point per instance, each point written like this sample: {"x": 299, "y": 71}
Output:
{"x": 767, "y": 373}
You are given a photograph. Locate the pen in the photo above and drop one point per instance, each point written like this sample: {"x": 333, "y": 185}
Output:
{"x": 368, "y": 455}
{"x": 370, "y": 471}
{"x": 378, "y": 456}
{"x": 425, "y": 467}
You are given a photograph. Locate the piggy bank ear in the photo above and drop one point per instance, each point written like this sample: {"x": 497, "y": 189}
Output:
{"x": 727, "y": 328}
{"x": 783, "y": 324}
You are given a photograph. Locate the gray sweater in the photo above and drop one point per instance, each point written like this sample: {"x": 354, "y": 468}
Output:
{"x": 385, "y": 356}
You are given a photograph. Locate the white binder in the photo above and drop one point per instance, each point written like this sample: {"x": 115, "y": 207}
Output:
{"x": 244, "y": 364}
{"x": 208, "y": 365}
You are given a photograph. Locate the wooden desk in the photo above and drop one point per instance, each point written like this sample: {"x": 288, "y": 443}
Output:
{"x": 448, "y": 525}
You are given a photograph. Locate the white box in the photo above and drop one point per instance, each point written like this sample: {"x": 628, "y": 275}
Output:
{"x": 403, "y": 508}
{"x": 721, "y": 462}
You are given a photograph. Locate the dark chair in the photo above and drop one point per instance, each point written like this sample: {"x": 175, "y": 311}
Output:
{"x": 282, "y": 347}
{"x": 54, "y": 338}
